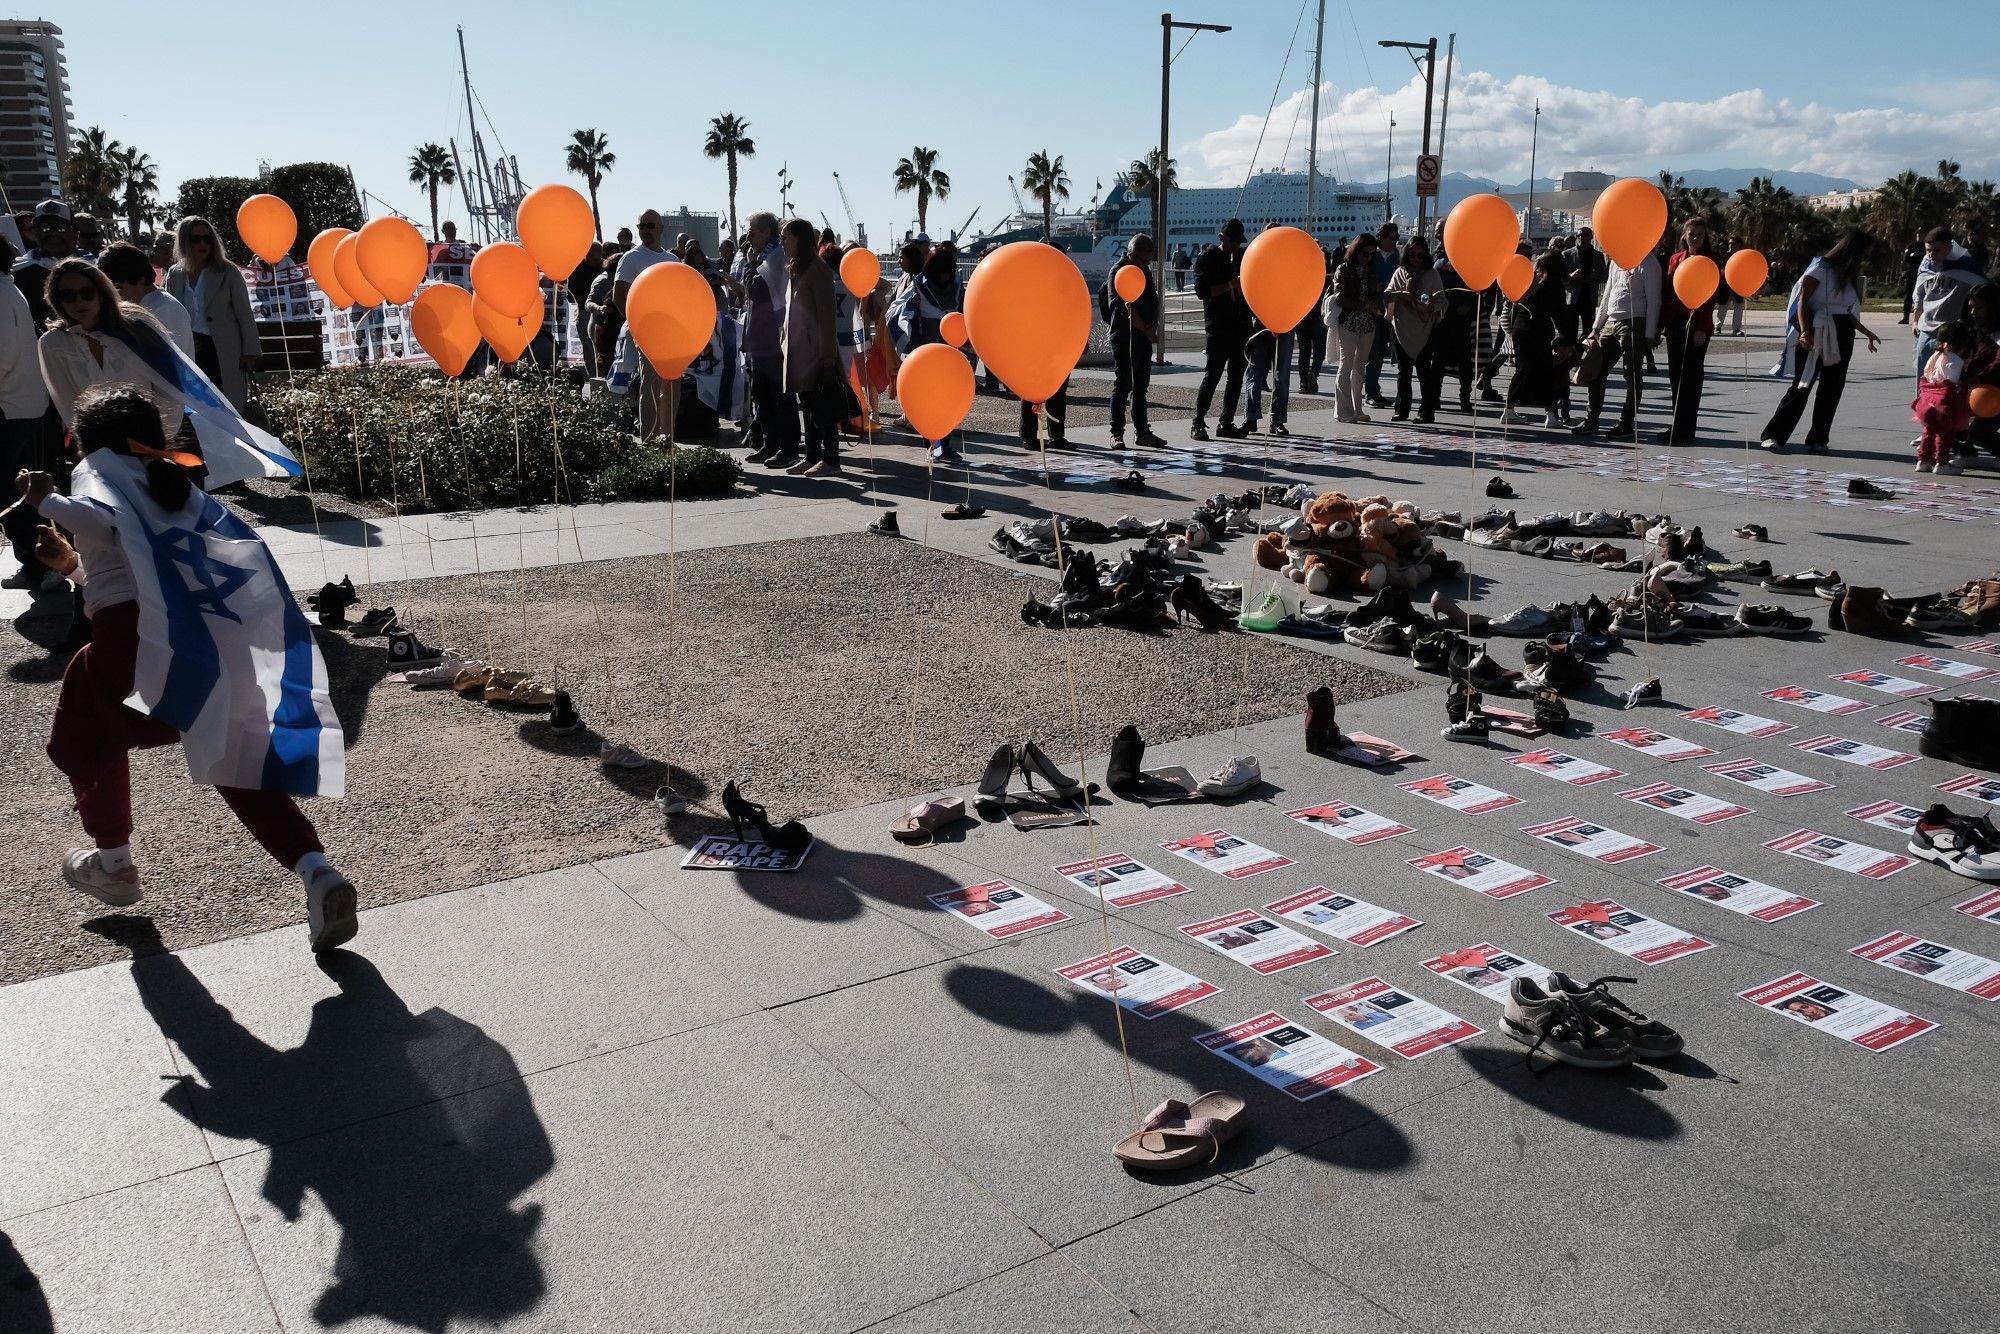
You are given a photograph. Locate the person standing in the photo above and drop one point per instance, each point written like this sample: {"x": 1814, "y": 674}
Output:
{"x": 1135, "y": 331}
{"x": 51, "y": 239}
{"x": 1945, "y": 277}
{"x": 1913, "y": 259}
{"x": 1358, "y": 296}
{"x": 1181, "y": 266}
{"x": 1627, "y": 323}
{"x": 1387, "y": 259}
{"x": 659, "y": 397}
{"x": 1825, "y": 316}
{"x": 131, "y": 273}
{"x": 1226, "y": 326}
{"x": 1533, "y": 324}
{"x": 24, "y": 408}
{"x": 1312, "y": 337}
{"x": 760, "y": 284}
{"x": 226, "y": 342}
{"x": 1689, "y": 333}
{"x": 811, "y": 349}
{"x": 1588, "y": 269}
{"x": 1415, "y": 301}
{"x": 1268, "y": 354}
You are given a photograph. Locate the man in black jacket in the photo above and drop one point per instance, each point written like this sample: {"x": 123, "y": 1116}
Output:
{"x": 1226, "y": 321}
{"x": 1135, "y": 331}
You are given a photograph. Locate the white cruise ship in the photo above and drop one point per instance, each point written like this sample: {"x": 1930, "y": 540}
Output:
{"x": 1195, "y": 216}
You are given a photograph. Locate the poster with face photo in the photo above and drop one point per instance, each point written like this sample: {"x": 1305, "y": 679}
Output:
{"x": 1903, "y": 720}
{"x": 1296, "y": 1060}
{"x": 1974, "y": 787}
{"x": 1685, "y": 803}
{"x": 1767, "y": 778}
{"x": 1480, "y": 873}
{"x": 1957, "y": 671}
{"x": 1393, "y": 1019}
{"x": 1836, "y": 1011}
{"x": 1735, "y": 720}
{"x": 1343, "y": 917}
{"x": 1256, "y": 942}
{"x": 1225, "y": 854}
{"x": 999, "y": 909}
{"x": 1882, "y": 683}
{"x": 1826, "y": 850}
{"x": 1147, "y": 986}
{"x": 1888, "y": 815}
{"x": 1858, "y": 753}
{"x": 1961, "y": 971}
{"x": 1739, "y": 893}
{"x": 1461, "y": 794}
{"x": 1564, "y": 767}
{"x": 1657, "y": 745}
{"x": 1632, "y": 934}
{"x": 1598, "y": 842}
{"x": 1818, "y": 701}
{"x": 1349, "y": 824}
{"x": 1486, "y": 969}
{"x": 1120, "y": 881}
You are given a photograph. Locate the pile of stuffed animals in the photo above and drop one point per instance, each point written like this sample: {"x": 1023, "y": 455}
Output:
{"x": 1344, "y": 542}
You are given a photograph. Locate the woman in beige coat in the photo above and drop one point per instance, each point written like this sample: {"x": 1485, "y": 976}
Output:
{"x": 812, "y": 350}
{"x": 218, "y": 303}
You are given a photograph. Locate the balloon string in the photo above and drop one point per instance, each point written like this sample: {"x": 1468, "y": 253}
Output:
{"x": 563, "y": 484}
{"x": 312, "y": 501}
{"x": 472, "y": 516}
{"x": 361, "y": 486}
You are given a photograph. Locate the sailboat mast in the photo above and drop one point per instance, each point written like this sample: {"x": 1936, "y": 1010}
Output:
{"x": 1312, "y": 139}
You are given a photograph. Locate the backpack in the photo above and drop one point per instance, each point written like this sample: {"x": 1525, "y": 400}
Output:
{"x": 1107, "y": 295}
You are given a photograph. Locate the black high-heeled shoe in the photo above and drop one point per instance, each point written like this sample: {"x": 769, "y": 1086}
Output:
{"x": 993, "y": 783}
{"x": 1190, "y": 598}
{"x": 1035, "y": 764}
{"x": 787, "y": 837}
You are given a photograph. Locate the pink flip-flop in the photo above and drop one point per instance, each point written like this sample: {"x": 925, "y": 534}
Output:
{"x": 1177, "y": 1134}
{"x": 926, "y": 818}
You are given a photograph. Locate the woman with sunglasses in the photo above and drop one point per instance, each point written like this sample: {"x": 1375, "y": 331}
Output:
{"x": 218, "y": 301}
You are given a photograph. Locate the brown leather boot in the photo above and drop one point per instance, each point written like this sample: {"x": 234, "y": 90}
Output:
{"x": 1980, "y": 600}
{"x": 1859, "y": 612}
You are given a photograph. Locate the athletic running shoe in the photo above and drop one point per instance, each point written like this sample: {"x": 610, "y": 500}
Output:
{"x": 1860, "y": 488}
{"x": 1769, "y": 620}
{"x": 84, "y": 870}
{"x": 618, "y": 755}
{"x": 1958, "y": 843}
{"x": 1805, "y": 581}
{"x": 1554, "y": 1023}
{"x": 1649, "y": 1039}
{"x": 1646, "y": 692}
{"x": 330, "y": 905}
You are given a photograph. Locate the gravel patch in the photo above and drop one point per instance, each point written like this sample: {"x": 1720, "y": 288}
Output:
{"x": 791, "y": 667}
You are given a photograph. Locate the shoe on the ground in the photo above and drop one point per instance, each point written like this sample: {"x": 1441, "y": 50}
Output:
{"x": 1938, "y": 616}
{"x": 1197, "y": 430}
{"x": 1830, "y": 588}
{"x": 618, "y": 755}
{"x": 1500, "y": 489}
{"x": 1805, "y": 581}
{"x": 886, "y": 525}
{"x": 1861, "y": 488}
{"x": 1646, "y": 692}
{"x": 1525, "y": 620}
{"x": 1484, "y": 672}
{"x": 1765, "y": 619}
{"x": 1649, "y": 1039}
{"x": 1774, "y": 446}
{"x": 1472, "y": 727}
{"x": 29, "y": 577}
{"x": 964, "y": 511}
{"x": 1656, "y": 628}
{"x": 378, "y": 621}
{"x": 1742, "y": 571}
{"x": 669, "y": 801}
{"x": 1948, "y": 468}
{"x": 564, "y": 720}
{"x": 1147, "y": 440}
{"x": 1551, "y": 714}
{"x": 1965, "y": 729}
{"x": 1754, "y": 532}
{"x": 1431, "y": 652}
{"x": 1237, "y": 776}
{"x": 1959, "y": 843}
{"x": 84, "y": 870}
{"x": 406, "y": 650}
{"x": 1558, "y": 1025}
{"x": 443, "y": 673}
{"x": 1231, "y": 431}
{"x": 1378, "y": 636}
{"x": 330, "y": 910}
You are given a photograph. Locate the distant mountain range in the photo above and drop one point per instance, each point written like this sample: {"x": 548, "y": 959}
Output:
{"x": 1456, "y": 186}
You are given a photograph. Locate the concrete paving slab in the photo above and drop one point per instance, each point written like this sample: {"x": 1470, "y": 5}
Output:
{"x": 1050, "y": 1291}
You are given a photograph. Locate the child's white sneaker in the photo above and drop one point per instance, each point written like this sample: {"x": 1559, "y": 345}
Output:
{"x": 1947, "y": 468}
{"x": 330, "y": 905}
{"x": 1924, "y": 465}
{"x": 84, "y": 869}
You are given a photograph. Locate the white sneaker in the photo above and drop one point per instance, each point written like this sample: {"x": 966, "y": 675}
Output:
{"x": 618, "y": 755}
{"x": 1946, "y": 468}
{"x": 1923, "y": 466}
{"x": 1509, "y": 417}
{"x": 330, "y": 904}
{"x": 1234, "y": 778}
{"x": 1522, "y": 621}
{"x": 446, "y": 672}
{"x": 1550, "y": 419}
{"x": 84, "y": 869}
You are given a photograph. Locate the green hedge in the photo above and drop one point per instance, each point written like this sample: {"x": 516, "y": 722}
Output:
{"x": 428, "y": 443}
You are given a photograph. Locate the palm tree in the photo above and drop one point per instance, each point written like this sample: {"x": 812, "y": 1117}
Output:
{"x": 1949, "y": 182}
{"x": 1760, "y": 214}
{"x": 1045, "y": 181}
{"x": 729, "y": 138}
{"x": 1903, "y": 204}
{"x": 430, "y": 167}
{"x": 139, "y": 177}
{"x": 919, "y": 172}
{"x": 1144, "y": 174}
{"x": 589, "y": 155}
{"x": 1974, "y": 217}
{"x": 90, "y": 176}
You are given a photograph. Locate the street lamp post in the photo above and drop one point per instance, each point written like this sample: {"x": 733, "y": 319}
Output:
{"x": 1534, "y": 141}
{"x": 1429, "y": 67}
{"x": 1388, "y": 174}
{"x": 1167, "y": 26}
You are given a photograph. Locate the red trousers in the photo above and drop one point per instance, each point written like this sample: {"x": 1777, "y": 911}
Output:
{"x": 94, "y": 729}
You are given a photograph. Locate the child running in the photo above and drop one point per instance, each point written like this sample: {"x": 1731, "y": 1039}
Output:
{"x": 1941, "y": 405}
{"x": 194, "y": 639}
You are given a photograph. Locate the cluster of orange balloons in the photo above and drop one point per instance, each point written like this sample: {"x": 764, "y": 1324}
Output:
{"x": 1027, "y": 311}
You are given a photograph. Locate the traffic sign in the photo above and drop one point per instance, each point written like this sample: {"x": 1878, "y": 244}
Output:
{"x": 1428, "y": 170}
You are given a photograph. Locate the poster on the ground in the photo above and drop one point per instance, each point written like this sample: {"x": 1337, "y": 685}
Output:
{"x": 999, "y": 909}
{"x": 718, "y": 852}
{"x": 1844, "y": 1014}
{"x": 1147, "y": 986}
{"x": 1461, "y": 794}
{"x": 1394, "y": 1019}
{"x": 1975, "y": 787}
{"x": 1481, "y": 873}
{"x": 1632, "y": 934}
{"x": 1889, "y": 815}
{"x": 1121, "y": 881}
{"x": 1564, "y": 767}
{"x": 1257, "y": 942}
{"x": 1343, "y": 917}
{"x": 1957, "y": 969}
{"x": 1685, "y": 803}
{"x": 1349, "y": 824}
{"x": 1767, "y": 778}
{"x": 1827, "y": 850}
{"x": 1282, "y": 1054}
{"x": 1903, "y": 720}
{"x": 1739, "y": 893}
{"x": 1373, "y": 751}
{"x": 1985, "y": 907}
{"x": 1486, "y": 969}
{"x": 1957, "y": 671}
{"x": 1658, "y": 745}
{"x": 1882, "y": 683}
{"x": 1737, "y": 721}
{"x": 1989, "y": 647}
{"x": 1595, "y": 841}
{"x": 1847, "y": 751}
{"x": 1225, "y": 854}
{"x": 1819, "y": 701}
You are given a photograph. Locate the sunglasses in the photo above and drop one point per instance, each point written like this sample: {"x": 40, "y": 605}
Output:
{"x": 70, "y": 294}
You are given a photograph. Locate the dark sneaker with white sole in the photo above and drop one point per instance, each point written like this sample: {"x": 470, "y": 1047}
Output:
{"x": 1862, "y": 489}
{"x": 406, "y": 650}
{"x": 1554, "y": 1024}
{"x": 1766, "y": 619}
{"x": 1649, "y": 1039}
{"x": 1962, "y": 845}
{"x": 1805, "y": 581}
{"x": 1646, "y": 692}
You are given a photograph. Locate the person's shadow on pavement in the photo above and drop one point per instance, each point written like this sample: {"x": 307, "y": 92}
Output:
{"x": 23, "y": 1308}
{"x": 418, "y": 1171}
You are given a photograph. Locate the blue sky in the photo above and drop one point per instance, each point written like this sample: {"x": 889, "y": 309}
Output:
{"x": 853, "y": 87}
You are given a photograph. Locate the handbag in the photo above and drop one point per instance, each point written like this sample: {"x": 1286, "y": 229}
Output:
{"x": 1590, "y": 362}
{"x": 1357, "y": 321}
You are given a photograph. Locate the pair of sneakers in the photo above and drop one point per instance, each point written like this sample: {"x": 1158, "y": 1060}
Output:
{"x": 331, "y": 901}
{"x": 1583, "y": 1024}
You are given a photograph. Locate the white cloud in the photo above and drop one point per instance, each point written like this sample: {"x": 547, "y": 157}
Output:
{"x": 1492, "y": 119}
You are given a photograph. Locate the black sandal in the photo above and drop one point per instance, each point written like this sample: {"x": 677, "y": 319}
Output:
{"x": 962, "y": 511}
{"x": 1131, "y": 481}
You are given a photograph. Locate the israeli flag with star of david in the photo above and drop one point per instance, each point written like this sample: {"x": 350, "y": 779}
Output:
{"x": 226, "y": 658}
{"x": 232, "y": 448}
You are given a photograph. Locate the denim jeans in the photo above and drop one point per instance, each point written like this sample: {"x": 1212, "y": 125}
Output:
{"x": 1262, "y": 359}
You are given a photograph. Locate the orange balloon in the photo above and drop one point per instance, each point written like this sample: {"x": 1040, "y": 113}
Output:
{"x": 1629, "y": 218}
{"x": 556, "y": 228}
{"x": 935, "y": 388}
{"x": 1984, "y": 400}
{"x": 860, "y": 271}
{"x": 1027, "y": 310}
{"x": 507, "y": 336}
{"x": 1480, "y": 236}
{"x": 1129, "y": 282}
{"x": 1517, "y": 275}
{"x": 1695, "y": 280}
{"x": 268, "y": 226}
{"x": 671, "y": 312}
{"x": 1283, "y": 276}
{"x": 952, "y": 327}
{"x": 347, "y": 268}
{"x": 319, "y": 263}
{"x": 443, "y": 323}
{"x": 507, "y": 278}
{"x": 1746, "y": 271}
{"x": 393, "y": 257}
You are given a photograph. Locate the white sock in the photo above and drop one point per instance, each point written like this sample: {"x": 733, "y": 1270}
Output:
{"x": 310, "y": 865}
{"x": 116, "y": 860}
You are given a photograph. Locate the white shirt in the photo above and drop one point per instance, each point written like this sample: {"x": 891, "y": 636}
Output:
{"x": 23, "y": 397}
{"x": 1832, "y": 295}
{"x": 192, "y": 303}
{"x": 173, "y": 317}
{"x": 102, "y": 571}
{"x": 1946, "y": 366}
{"x": 638, "y": 259}
{"x": 1632, "y": 295}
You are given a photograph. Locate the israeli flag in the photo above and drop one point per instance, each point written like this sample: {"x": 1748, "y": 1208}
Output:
{"x": 226, "y": 657}
{"x": 232, "y": 449}
{"x": 718, "y": 372}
